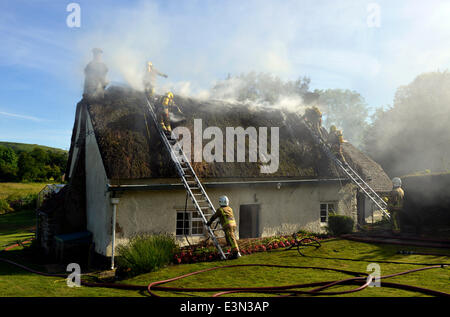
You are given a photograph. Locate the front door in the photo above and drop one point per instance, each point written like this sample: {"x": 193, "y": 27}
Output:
{"x": 249, "y": 221}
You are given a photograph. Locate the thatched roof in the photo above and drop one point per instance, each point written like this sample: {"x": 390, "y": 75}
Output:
{"x": 131, "y": 149}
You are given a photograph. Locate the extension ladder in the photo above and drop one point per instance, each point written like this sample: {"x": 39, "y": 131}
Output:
{"x": 350, "y": 172}
{"x": 189, "y": 178}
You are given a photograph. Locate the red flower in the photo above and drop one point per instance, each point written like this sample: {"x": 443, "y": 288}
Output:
{"x": 263, "y": 248}
{"x": 281, "y": 244}
{"x": 275, "y": 245}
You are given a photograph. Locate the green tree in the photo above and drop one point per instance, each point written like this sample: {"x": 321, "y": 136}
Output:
{"x": 347, "y": 110}
{"x": 8, "y": 164}
{"x": 261, "y": 87}
{"x": 414, "y": 135}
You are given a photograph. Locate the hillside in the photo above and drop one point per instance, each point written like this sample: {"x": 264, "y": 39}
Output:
{"x": 24, "y": 147}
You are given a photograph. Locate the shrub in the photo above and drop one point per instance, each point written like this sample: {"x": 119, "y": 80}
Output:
{"x": 4, "y": 207}
{"x": 147, "y": 253}
{"x": 338, "y": 224}
{"x": 21, "y": 201}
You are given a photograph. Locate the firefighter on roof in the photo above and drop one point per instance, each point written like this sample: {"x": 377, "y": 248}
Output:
{"x": 226, "y": 219}
{"x": 95, "y": 76}
{"x": 150, "y": 79}
{"x": 313, "y": 116}
{"x": 395, "y": 204}
{"x": 164, "y": 106}
{"x": 335, "y": 140}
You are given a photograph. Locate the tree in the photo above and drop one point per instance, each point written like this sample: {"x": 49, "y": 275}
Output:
{"x": 260, "y": 87}
{"x": 414, "y": 135}
{"x": 347, "y": 110}
{"x": 8, "y": 164}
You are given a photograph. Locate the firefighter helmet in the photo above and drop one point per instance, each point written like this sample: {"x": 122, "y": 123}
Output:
{"x": 333, "y": 128}
{"x": 169, "y": 95}
{"x": 397, "y": 182}
{"x": 224, "y": 201}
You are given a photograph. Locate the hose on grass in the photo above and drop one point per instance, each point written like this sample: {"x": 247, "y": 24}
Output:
{"x": 361, "y": 279}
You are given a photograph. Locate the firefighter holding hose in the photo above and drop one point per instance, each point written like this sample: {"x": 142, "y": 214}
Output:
{"x": 226, "y": 219}
{"x": 164, "y": 106}
{"x": 395, "y": 204}
{"x": 335, "y": 140}
{"x": 150, "y": 79}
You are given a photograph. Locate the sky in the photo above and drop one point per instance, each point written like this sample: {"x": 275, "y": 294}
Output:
{"x": 371, "y": 47}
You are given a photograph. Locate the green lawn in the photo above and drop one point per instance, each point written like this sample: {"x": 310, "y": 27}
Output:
{"x": 16, "y": 282}
{"x": 7, "y": 189}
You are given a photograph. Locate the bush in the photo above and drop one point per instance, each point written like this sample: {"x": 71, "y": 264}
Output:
{"x": 21, "y": 202}
{"x": 146, "y": 253}
{"x": 4, "y": 207}
{"x": 338, "y": 224}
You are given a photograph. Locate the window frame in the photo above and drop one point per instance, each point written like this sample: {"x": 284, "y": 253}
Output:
{"x": 327, "y": 210}
{"x": 188, "y": 231}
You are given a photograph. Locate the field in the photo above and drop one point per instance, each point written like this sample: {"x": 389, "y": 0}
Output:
{"x": 7, "y": 189}
{"x": 17, "y": 282}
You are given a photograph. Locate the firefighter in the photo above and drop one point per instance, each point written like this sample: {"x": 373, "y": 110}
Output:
{"x": 95, "y": 76}
{"x": 164, "y": 106}
{"x": 335, "y": 140}
{"x": 226, "y": 219}
{"x": 395, "y": 204}
{"x": 313, "y": 116}
{"x": 150, "y": 79}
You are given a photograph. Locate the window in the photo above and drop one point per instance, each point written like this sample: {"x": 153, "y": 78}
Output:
{"x": 325, "y": 210}
{"x": 189, "y": 223}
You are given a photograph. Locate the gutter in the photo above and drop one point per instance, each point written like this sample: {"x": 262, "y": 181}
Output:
{"x": 276, "y": 183}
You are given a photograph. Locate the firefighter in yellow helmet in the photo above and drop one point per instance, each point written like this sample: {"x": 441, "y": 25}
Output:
{"x": 226, "y": 219}
{"x": 313, "y": 117}
{"x": 335, "y": 140}
{"x": 150, "y": 79}
{"x": 164, "y": 106}
{"x": 395, "y": 204}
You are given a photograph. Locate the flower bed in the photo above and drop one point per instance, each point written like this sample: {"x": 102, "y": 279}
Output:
{"x": 197, "y": 253}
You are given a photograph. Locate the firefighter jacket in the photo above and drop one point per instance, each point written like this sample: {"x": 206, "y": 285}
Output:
{"x": 225, "y": 215}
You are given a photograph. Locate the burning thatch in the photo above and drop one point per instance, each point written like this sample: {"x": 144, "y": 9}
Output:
{"x": 131, "y": 148}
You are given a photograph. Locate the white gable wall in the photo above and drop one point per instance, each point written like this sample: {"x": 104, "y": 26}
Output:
{"x": 99, "y": 208}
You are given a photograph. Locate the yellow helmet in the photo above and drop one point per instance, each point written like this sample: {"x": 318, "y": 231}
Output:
{"x": 169, "y": 95}
{"x": 317, "y": 110}
{"x": 333, "y": 128}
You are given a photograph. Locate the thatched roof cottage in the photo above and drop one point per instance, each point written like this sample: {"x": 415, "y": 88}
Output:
{"x": 117, "y": 153}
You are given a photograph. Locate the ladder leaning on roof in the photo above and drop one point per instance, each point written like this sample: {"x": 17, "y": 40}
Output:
{"x": 189, "y": 179}
{"x": 350, "y": 172}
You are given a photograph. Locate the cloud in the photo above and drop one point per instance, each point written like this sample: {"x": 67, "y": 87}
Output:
{"x": 19, "y": 116}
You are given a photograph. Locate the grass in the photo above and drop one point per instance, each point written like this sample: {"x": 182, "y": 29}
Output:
{"x": 7, "y": 189}
{"x": 16, "y": 282}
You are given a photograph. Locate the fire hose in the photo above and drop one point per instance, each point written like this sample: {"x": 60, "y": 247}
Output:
{"x": 361, "y": 279}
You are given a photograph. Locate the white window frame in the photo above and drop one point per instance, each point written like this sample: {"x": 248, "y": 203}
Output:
{"x": 327, "y": 209}
{"x": 197, "y": 220}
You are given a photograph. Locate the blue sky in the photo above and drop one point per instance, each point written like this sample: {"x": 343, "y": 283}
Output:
{"x": 196, "y": 42}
